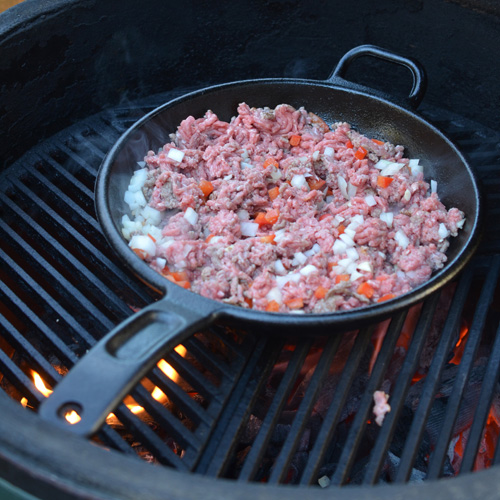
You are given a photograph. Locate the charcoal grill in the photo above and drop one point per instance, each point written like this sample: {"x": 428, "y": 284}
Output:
{"x": 73, "y": 77}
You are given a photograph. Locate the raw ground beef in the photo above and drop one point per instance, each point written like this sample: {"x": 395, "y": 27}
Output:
{"x": 277, "y": 211}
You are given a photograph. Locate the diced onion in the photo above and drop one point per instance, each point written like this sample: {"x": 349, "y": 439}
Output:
{"x": 328, "y": 151}
{"x": 138, "y": 179}
{"x": 355, "y": 275}
{"x": 215, "y": 239}
{"x": 279, "y": 267}
{"x": 228, "y": 177}
{"x": 392, "y": 168}
{"x": 298, "y": 180}
{"x": 381, "y": 164}
{"x": 339, "y": 247}
{"x": 299, "y": 258}
{"x": 152, "y": 215}
{"x": 143, "y": 245}
{"x": 434, "y": 186}
{"x": 365, "y": 266}
{"x": 249, "y": 228}
{"x": 442, "y": 231}
{"x": 460, "y": 223}
{"x": 245, "y": 164}
{"x": 314, "y": 250}
{"x": 347, "y": 240}
{"x": 351, "y": 190}
{"x": 342, "y": 186}
{"x": 352, "y": 253}
{"x": 275, "y": 175}
{"x": 274, "y": 294}
{"x": 407, "y": 195}
{"x": 243, "y": 215}
{"x": 345, "y": 263}
{"x": 415, "y": 167}
{"x": 315, "y": 155}
{"x": 370, "y": 200}
{"x": 191, "y": 216}
{"x": 141, "y": 164}
{"x": 161, "y": 262}
{"x": 175, "y": 154}
{"x": 279, "y": 235}
{"x": 401, "y": 239}
{"x": 350, "y": 231}
{"x": 357, "y": 219}
{"x": 307, "y": 270}
{"x": 283, "y": 280}
{"x": 387, "y": 217}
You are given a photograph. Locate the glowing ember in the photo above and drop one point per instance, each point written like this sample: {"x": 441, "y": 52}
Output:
{"x": 40, "y": 384}
{"x": 72, "y": 417}
{"x": 458, "y": 352}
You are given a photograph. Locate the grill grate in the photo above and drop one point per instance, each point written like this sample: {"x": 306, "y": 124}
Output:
{"x": 61, "y": 290}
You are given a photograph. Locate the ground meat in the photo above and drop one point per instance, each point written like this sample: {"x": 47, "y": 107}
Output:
{"x": 275, "y": 210}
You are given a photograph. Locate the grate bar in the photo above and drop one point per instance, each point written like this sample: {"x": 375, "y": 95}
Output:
{"x": 258, "y": 449}
{"x": 488, "y": 391}
{"x": 475, "y": 332}
{"x": 356, "y": 433}
{"x": 433, "y": 378}
{"x": 326, "y": 432}
{"x": 282, "y": 462}
{"x": 403, "y": 383}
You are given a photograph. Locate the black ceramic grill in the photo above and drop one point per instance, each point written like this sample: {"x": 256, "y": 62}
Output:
{"x": 240, "y": 414}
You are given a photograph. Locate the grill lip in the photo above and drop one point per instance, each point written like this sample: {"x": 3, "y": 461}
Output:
{"x": 63, "y": 465}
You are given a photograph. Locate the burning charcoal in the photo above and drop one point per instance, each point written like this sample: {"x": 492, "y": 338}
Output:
{"x": 391, "y": 467}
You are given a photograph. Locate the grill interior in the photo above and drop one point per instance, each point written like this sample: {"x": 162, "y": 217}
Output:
{"x": 247, "y": 407}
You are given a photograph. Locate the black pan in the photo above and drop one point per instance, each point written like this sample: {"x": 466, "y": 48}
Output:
{"x": 112, "y": 367}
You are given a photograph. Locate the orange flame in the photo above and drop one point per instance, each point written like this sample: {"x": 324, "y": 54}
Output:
{"x": 458, "y": 352}
{"x": 72, "y": 416}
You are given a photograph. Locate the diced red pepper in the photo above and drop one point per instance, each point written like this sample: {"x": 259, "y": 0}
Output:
{"x": 384, "y": 181}
{"x": 360, "y": 153}
{"x": 295, "y": 140}
{"x": 366, "y": 289}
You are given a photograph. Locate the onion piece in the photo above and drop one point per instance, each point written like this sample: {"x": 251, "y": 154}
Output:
{"x": 329, "y": 151}
{"x": 407, "y": 195}
{"x": 191, "y": 216}
{"x": 351, "y": 190}
{"x": 392, "y": 168}
{"x": 307, "y": 270}
{"x": 401, "y": 238}
{"x": 249, "y": 228}
{"x": 415, "y": 167}
{"x": 442, "y": 231}
{"x": 299, "y": 258}
{"x": 342, "y": 186}
{"x": 381, "y": 164}
{"x": 339, "y": 247}
{"x": 279, "y": 267}
{"x": 434, "y": 186}
{"x": 365, "y": 266}
{"x": 283, "y": 280}
{"x": 175, "y": 154}
{"x": 143, "y": 246}
{"x": 387, "y": 217}
{"x": 352, "y": 253}
{"x": 347, "y": 240}
{"x": 274, "y": 294}
{"x": 298, "y": 180}
{"x": 370, "y": 200}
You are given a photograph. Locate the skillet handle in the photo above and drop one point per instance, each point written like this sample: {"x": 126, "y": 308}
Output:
{"x": 109, "y": 371}
{"x": 418, "y": 73}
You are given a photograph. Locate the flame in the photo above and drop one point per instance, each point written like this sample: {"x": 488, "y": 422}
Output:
{"x": 458, "y": 352}
{"x": 72, "y": 416}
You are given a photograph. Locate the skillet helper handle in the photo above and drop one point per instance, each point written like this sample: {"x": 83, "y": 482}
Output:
{"x": 111, "y": 368}
{"x": 418, "y": 73}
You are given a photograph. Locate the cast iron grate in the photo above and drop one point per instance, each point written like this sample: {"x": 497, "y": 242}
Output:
{"x": 239, "y": 405}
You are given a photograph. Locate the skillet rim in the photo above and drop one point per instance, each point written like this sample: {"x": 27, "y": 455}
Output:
{"x": 344, "y": 319}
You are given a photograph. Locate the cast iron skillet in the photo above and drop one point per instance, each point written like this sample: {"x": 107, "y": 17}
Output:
{"x": 114, "y": 365}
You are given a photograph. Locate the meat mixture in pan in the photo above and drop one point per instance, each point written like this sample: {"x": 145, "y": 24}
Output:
{"x": 278, "y": 211}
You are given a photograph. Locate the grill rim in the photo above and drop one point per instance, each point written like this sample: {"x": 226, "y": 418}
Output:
{"x": 90, "y": 472}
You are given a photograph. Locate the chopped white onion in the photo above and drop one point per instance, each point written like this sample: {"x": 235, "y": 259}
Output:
{"x": 245, "y": 164}
{"x": 279, "y": 267}
{"x": 355, "y": 275}
{"x": 274, "y": 294}
{"x": 365, "y": 266}
{"x": 175, "y": 154}
{"x": 283, "y": 280}
{"x": 215, "y": 239}
{"x": 460, "y": 223}
{"x": 299, "y": 258}
{"x": 407, "y": 195}
{"x": 315, "y": 155}
{"x": 307, "y": 270}
{"x": 351, "y": 190}
{"x": 352, "y": 253}
{"x": 298, "y": 180}
{"x": 249, "y": 228}
{"x": 152, "y": 215}
{"x": 392, "y": 168}
{"x": 370, "y": 200}
{"x": 275, "y": 175}
{"x": 401, "y": 238}
{"x": 143, "y": 245}
{"x": 350, "y": 231}
{"x": 191, "y": 216}
{"x": 381, "y": 164}
{"x": 243, "y": 214}
{"x": 166, "y": 243}
{"x": 339, "y": 218}
{"x": 141, "y": 164}
{"x": 345, "y": 263}
{"x": 387, "y": 217}
{"x": 339, "y": 247}
{"x": 279, "y": 235}
{"x": 357, "y": 219}
{"x": 228, "y": 177}
{"x": 434, "y": 186}
{"x": 415, "y": 167}
{"x": 313, "y": 250}
{"x": 442, "y": 231}
{"x": 161, "y": 262}
{"x": 347, "y": 240}
{"x": 138, "y": 179}
{"x": 342, "y": 186}
{"x": 328, "y": 151}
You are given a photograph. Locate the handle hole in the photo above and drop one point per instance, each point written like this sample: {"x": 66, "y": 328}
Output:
{"x": 71, "y": 412}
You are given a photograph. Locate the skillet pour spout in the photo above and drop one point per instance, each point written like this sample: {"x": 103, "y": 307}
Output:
{"x": 108, "y": 372}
